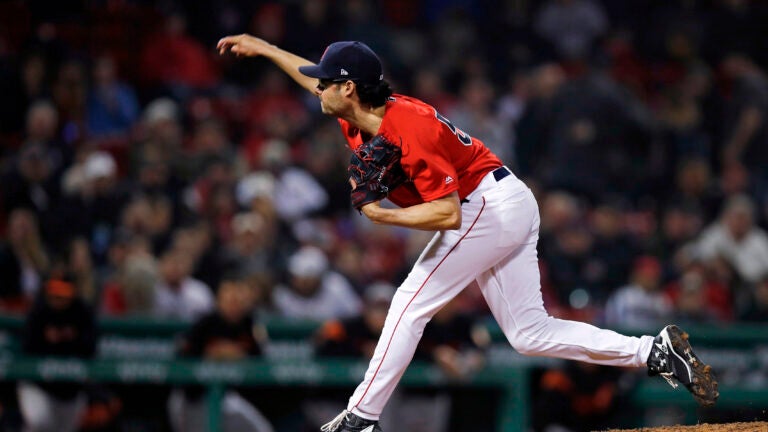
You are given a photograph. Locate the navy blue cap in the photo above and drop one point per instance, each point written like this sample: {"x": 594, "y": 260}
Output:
{"x": 347, "y": 60}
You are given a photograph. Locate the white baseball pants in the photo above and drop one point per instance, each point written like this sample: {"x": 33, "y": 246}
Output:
{"x": 496, "y": 246}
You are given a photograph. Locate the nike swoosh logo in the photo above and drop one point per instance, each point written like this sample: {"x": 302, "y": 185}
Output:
{"x": 368, "y": 429}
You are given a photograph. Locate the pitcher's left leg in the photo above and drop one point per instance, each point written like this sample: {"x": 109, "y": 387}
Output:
{"x": 448, "y": 264}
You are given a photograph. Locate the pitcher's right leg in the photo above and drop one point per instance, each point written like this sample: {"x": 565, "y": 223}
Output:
{"x": 513, "y": 292}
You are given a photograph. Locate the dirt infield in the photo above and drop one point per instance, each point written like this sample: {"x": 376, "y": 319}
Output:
{"x": 727, "y": 427}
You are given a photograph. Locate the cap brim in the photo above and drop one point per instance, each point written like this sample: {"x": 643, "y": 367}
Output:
{"x": 314, "y": 71}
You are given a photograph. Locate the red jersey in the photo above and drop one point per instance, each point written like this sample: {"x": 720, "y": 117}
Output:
{"x": 437, "y": 157}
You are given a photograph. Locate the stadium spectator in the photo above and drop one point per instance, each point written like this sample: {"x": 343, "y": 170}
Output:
{"x": 177, "y": 294}
{"x": 578, "y": 397}
{"x": 150, "y": 216}
{"x": 93, "y": 201}
{"x": 311, "y": 26}
{"x": 228, "y": 333}
{"x": 43, "y": 127}
{"x": 154, "y": 178}
{"x": 613, "y": 250}
{"x": 160, "y": 136}
{"x": 697, "y": 300}
{"x": 641, "y": 304}
{"x": 59, "y": 324}
{"x": 745, "y": 126}
{"x": 694, "y": 187}
{"x": 113, "y": 107}
{"x": 22, "y": 87}
{"x": 314, "y": 291}
{"x": 353, "y": 337}
{"x": 454, "y": 31}
{"x": 571, "y": 26}
{"x": 428, "y": 86}
{"x": 683, "y": 117}
{"x": 757, "y": 308}
{"x": 715, "y": 293}
{"x": 70, "y": 93}
{"x": 328, "y": 166}
{"x": 356, "y": 337}
{"x": 348, "y": 261}
{"x": 680, "y": 225}
{"x": 197, "y": 240}
{"x": 455, "y": 343}
{"x": 80, "y": 265}
{"x": 476, "y": 114}
{"x": 173, "y": 61}
{"x": 274, "y": 102}
{"x": 255, "y": 191}
{"x": 23, "y": 261}
{"x": 596, "y": 140}
{"x": 568, "y": 254}
{"x": 737, "y": 239}
{"x": 212, "y": 196}
{"x": 129, "y": 279}
{"x": 30, "y": 183}
{"x": 299, "y": 193}
{"x": 209, "y": 141}
{"x": 252, "y": 247}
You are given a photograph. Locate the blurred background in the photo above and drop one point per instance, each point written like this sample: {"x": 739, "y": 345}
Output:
{"x": 178, "y": 251}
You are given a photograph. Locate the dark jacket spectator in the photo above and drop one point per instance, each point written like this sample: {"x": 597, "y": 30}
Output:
{"x": 577, "y": 397}
{"x": 227, "y": 334}
{"x": 757, "y": 306}
{"x": 454, "y": 342}
{"x": 23, "y": 260}
{"x": 60, "y": 324}
{"x": 356, "y": 337}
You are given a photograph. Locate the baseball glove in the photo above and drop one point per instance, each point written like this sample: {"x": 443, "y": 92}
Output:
{"x": 375, "y": 171}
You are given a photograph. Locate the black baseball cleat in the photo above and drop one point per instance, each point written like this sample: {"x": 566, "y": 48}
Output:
{"x": 673, "y": 357}
{"x": 348, "y": 422}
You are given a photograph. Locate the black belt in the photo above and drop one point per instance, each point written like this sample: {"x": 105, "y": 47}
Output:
{"x": 499, "y": 173}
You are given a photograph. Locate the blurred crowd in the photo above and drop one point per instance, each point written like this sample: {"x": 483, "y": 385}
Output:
{"x": 140, "y": 162}
{"x": 146, "y": 170}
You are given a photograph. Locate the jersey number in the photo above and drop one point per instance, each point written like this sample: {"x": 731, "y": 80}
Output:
{"x": 463, "y": 137}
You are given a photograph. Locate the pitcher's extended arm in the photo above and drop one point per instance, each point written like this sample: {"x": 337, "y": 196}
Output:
{"x": 249, "y": 46}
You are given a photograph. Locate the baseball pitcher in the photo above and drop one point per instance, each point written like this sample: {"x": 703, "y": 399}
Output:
{"x": 487, "y": 224}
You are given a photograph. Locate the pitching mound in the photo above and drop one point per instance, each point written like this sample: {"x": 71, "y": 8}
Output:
{"x": 727, "y": 427}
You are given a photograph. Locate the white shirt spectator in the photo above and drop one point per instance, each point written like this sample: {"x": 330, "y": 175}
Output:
{"x": 315, "y": 291}
{"x": 190, "y": 301}
{"x": 297, "y": 194}
{"x": 749, "y": 257}
{"x": 334, "y": 299}
{"x": 736, "y": 239}
{"x": 632, "y": 306}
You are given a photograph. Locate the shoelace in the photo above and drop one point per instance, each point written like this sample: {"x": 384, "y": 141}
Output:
{"x": 335, "y": 423}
